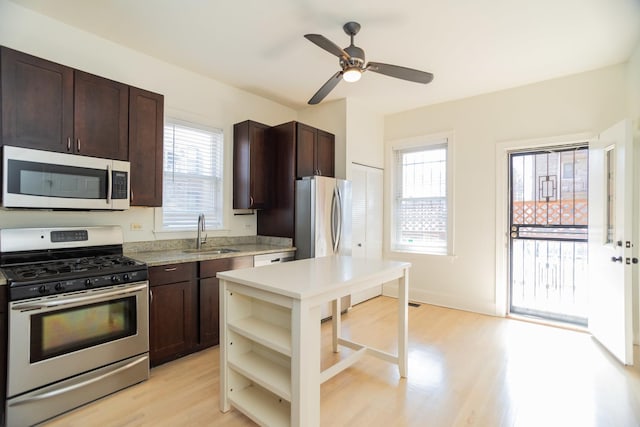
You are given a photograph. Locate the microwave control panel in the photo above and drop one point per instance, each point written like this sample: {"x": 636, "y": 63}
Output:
{"x": 120, "y": 180}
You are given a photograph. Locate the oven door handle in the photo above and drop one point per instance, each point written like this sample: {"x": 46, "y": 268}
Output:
{"x": 83, "y": 299}
{"x": 72, "y": 387}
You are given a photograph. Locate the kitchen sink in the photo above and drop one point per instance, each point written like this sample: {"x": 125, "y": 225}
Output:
{"x": 213, "y": 251}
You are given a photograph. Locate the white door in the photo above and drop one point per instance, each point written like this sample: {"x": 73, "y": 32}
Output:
{"x": 610, "y": 240}
{"x": 366, "y": 184}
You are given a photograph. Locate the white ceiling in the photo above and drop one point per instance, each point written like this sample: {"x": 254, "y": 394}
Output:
{"x": 472, "y": 47}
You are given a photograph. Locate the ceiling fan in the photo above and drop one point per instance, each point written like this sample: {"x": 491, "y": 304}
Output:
{"x": 352, "y": 64}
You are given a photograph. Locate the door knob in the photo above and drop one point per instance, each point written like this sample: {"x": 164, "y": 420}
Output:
{"x": 616, "y": 259}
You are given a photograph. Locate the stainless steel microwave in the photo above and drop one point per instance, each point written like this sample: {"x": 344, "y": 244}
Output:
{"x": 49, "y": 180}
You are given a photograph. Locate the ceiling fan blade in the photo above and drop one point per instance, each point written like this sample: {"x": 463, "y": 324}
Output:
{"x": 399, "y": 72}
{"x": 327, "y": 45}
{"x": 326, "y": 88}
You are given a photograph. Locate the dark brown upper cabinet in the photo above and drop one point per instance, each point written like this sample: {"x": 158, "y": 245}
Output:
{"x": 315, "y": 152}
{"x": 101, "y": 117}
{"x": 52, "y": 107}
{"x": 146, "y": 125}
{"x": 301, "y": 150}
{"x": 37, "y": 102}
{"x": 251, "y": 163}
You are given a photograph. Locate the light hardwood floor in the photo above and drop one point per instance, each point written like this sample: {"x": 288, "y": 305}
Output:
{"x": 465, "y": 369}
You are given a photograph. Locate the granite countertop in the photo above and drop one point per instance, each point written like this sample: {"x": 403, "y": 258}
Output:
{"x": 179, "y": 251}
{"x": 176, "y": 256}
{"x": 165, "y": 252}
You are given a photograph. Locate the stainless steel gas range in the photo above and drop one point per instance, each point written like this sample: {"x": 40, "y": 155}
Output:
{"x": 78, "y": 319}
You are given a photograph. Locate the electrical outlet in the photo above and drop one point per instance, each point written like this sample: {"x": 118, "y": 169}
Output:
{"x": 135, "y": 226}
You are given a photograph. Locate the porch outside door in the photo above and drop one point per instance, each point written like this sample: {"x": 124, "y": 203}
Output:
{"x": 610, "y": 240}
{"x": 548, "y": 234}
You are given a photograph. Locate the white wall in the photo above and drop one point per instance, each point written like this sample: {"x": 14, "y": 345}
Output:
{"x": 633, "y": 74}
{"x": 330, "y": 116}
{"x": 188, "y": 96}
{"x": 350, "y": 120}
{"x": 634, "y": 87}
{"x": 365, "y": 133}
{"x": 582, "y": 103}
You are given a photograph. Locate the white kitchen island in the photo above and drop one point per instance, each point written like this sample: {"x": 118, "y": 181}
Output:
{"x": 270, "y": 333}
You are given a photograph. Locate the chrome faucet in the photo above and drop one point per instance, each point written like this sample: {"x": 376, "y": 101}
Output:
{"x": 201, "y": 228}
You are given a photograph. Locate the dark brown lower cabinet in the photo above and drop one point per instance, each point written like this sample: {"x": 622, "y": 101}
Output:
{"x": 184, "y": 307}
{"x": 3, "y": 351}
{"x": 209, "y": 312}
{"x": 172, "y": 311}
{"x": 210, "y": 295}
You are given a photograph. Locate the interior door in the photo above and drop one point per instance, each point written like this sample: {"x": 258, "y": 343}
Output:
{"x": 367, "y": 220}
{"x": 610, "y": 231}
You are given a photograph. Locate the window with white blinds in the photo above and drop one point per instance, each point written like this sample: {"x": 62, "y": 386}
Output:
{"x": 421, "y": 214}
{"x": 193, "y": 166}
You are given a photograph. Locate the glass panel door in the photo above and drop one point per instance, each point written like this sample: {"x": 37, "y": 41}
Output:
{"x": 548, "y": 234}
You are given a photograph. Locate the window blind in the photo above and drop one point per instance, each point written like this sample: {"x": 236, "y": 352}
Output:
{"x": 193, "y": 172}
{"x": 420, "y": 199}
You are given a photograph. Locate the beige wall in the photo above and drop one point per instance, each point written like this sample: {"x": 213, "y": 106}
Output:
{"x": 188, "y": 96}
{"x": 584, "y": 103}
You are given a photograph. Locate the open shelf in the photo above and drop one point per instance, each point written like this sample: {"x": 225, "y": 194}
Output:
{"x": 264, "y": 333}
{"x": 268, "y": 374}
{"x": 261, "y": 406}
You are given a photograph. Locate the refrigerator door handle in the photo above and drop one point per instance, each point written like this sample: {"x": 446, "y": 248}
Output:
{"x": 333, "y": 222}
{"x": 338, "y": 198}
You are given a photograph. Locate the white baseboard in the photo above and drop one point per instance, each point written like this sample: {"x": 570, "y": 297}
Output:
{"x": 426, "y": 297}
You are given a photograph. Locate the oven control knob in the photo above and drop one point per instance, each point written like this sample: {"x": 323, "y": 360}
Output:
{"x": 59, "y": 287}
{"x": 42, "y": 289}
{"x": 115, "y": 279}
{"x": 87, "y": 283}
{"x": 125, "y": 276}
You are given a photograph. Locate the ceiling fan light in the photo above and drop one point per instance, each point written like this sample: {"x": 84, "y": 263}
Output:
{"x": 351, "y": 75}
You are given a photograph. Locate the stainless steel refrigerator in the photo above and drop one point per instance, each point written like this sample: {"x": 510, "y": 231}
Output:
{"x": 323, "y": 221}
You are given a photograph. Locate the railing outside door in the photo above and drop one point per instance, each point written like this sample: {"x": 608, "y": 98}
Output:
{"x": 548, "y": 234}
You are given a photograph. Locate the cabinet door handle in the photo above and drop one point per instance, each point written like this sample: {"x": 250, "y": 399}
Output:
{"x": 250, "y": 201}
{"x": 69, "y": 144}
{"x": 171, "y": 269}
{"x": 78, "y": 145}
{"x": 150, "y": 296}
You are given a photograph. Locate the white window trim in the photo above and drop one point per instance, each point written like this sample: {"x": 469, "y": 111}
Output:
{"x": 158, "y": 216}
{"x": 415, "y": 142}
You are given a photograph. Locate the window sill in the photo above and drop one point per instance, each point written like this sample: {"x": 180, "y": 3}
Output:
{"x": 411, "y": 253}
{"x": 188, "y": 234}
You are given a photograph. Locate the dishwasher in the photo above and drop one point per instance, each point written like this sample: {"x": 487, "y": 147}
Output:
{"x": 272, "y": 258}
